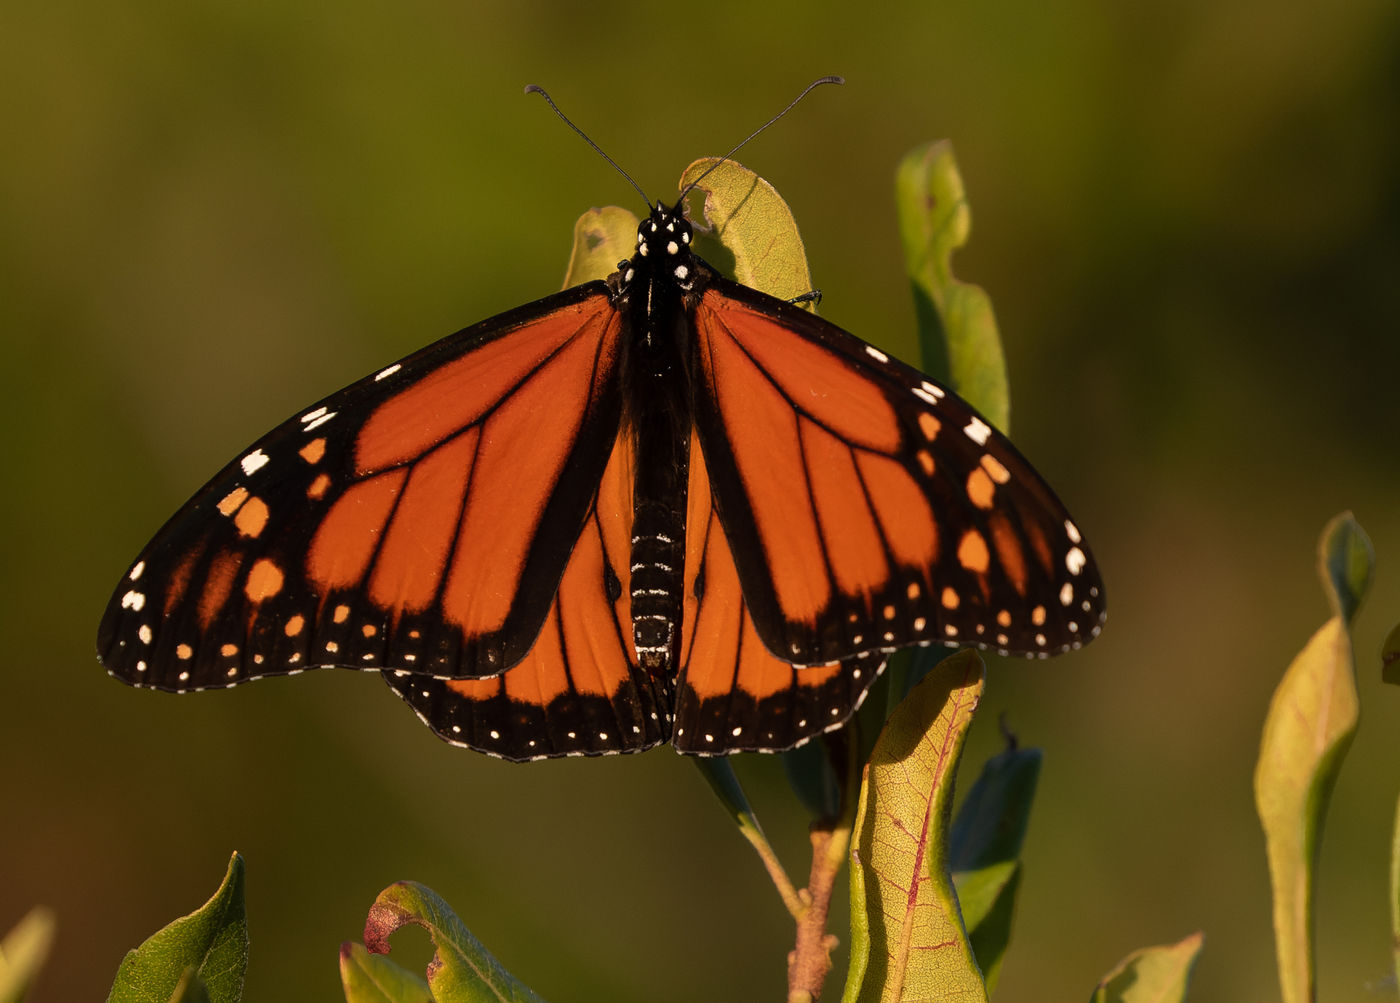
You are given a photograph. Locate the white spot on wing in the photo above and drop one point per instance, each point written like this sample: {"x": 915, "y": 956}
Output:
{"x": 876, "y": 354}
{"x": 136, "y": 571}
{"x": 319, "y": 421}
{"x": 134, "y": 600}
{"x": 253, "y": 462}
{"x": 1075, "y": 560}
{"x": 1066, "y": 594}
{"x": 384, "y": 374}
{"x": 978, "y": 431}
{"x": 933, "y": 390}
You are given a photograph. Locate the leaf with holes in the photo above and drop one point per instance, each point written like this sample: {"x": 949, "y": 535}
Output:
{"x": 907, "y": 935}
{"x": 602, "y": 238}
{"x": 462, "y": 970}
{"x": 957, "y": 329}
{"x": 753, "y": 237}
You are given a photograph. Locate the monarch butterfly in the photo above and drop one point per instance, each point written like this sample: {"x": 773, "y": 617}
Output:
{"x": 660, "y": 507}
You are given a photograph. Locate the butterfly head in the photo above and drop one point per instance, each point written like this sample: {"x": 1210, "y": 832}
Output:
{"x": 663, "y": 241}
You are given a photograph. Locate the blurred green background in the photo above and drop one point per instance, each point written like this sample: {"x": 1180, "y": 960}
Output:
{"x": 1187, "y": 215}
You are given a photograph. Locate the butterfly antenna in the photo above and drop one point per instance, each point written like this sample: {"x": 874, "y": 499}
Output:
{"x": 537, "y": 89}
{"x": 744, "y": 142}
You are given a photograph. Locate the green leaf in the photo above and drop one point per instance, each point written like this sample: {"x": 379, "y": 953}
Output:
{"x": 985, "y": 849}
{"x": 1395, "y": 893}
{"x": 190, "y": 988}
{"x": 23, "y": 952}
{"x": 1151, "y": 975}
{"x": 602, "y": 238}
{"x": 462, "y": 970}
{"x": 957, "y": 329}
{"x": 813, "y": 778}
{"x": 907, "y": 936}
{"x": 752, "y": 234}
{"x": 1311, "y": 721}
{"x": 1390, "y": 657}
{"x": 1347, "y": 561}
{"x": 212, "y": 940}
{"x": 373, "y": 978}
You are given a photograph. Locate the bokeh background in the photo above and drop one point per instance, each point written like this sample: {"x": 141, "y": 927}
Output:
{"x": 1187, "y": 215}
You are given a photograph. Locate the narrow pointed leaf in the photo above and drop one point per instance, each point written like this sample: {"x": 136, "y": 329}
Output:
{"x": 907, "y": 937}
{"x": 957, "y": 328}
{"x": 602, "y": 238}
{"x": 985, "y": 850}
{"x": 373, "y": 978}
{"x": 752, "y": 234}
{"x": 213, "y": 940}
{"x": 1310, "y": 724}
{"x": 23, "y": 952}
{"x": 462, "y": 970}
{"x": 1151, "y": 975}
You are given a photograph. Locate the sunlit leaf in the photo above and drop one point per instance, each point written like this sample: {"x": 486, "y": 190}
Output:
{"x": 750, "y": 233}
{"x": 602, "y": 238}
{"x": 957, "y": 329}
{"x": 212, "y": 940}
{"x": 1151, "y": 975}
{"x": 23, "y": 952}
{"x": 373, "y": 978}
{"x": 907, "y": 936}
{"x": 1311, "y": 721}
{"x": 462, "y": 970}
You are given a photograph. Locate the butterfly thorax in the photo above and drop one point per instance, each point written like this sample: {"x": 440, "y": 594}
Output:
{"x": 658, "y": 420}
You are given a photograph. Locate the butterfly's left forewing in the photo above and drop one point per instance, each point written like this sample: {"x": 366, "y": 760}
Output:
{"x": 867, "y": 507}
{"x": 420, "y": 518}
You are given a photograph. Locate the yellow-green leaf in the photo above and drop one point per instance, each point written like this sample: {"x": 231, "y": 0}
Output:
{"x": 1311, "y": 721}
{"x": 907, "y": 938}
{"x": 751, "y": 233}
{"x": 1395, "y": 893}
{"x": 373, "y": 978}
{"x": 23, "y": 951}
{"x": 957, "y": 329}
{"x": 1151, "y": 975}
{"x": 602, "y": 238}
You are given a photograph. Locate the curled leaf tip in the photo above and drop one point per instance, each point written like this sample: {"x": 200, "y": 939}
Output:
{"x": 1346, "y": 561}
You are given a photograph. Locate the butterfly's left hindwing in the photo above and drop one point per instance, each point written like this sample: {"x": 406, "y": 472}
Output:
{"x": 420, "y": 518}
{"x": 580, "y": 690}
